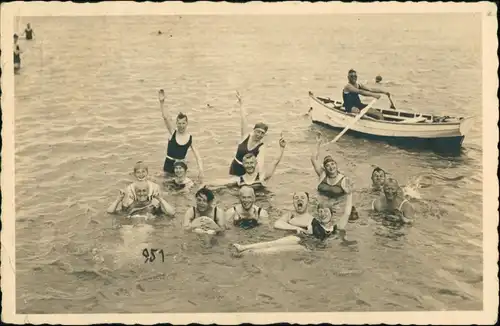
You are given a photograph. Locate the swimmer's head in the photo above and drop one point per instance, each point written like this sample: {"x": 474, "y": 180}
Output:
{"x": 141, "y": 191}
{"x": 260, "y": 130}
{"x": 15, "y": 37}
{"x": 301, "y": 202}
{"x": 28, "y": 25}
{"x": 249, "y": 162}
{"x": 352, "y": 75}
{"x": 324, "y": 212}
{"x": 378, "y": 79}
{"x": 204, "y": 198}
{"x": 180, "y": 168}
{"x": 247, "y": 197}
{"x": 378, "y": 177}
{"x": 141, "y": 171}
{"x": 391, "y": 188}
{"x": 181, "y": 122}
{"x": 330, "y": 166}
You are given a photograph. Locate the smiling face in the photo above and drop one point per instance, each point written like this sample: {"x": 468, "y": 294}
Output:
{"x": 141, "y": 173}
{"x": 179, "y": 171}
{"x": 202, "y": 203}
{"x": 324, "y": 214}
{"x": 378, "y": 178}
{"x": 142, "y": 191}
{"x": 352, "y": 76}
{"x": 181, "y": 124}
{"x": 300, "y": 202}
{"x": 250, "y": 163}
{"x": 391, "y": 189}
{"x": 331, "y": 168}
{"x": 259, "y": 134}
{"x": 247, "y": 197}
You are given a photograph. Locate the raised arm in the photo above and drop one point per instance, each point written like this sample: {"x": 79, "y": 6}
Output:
{"x": 243, "y": 115}
{"x": 164, "y": 206}
{"x": 198, "y": 162}
{"x": 269, "y": 174}
{"x": 315, "y": 156}
{"x": 116, "y": 206}
{"x": 165, "y": 113}
{"x": 347, "y": 186}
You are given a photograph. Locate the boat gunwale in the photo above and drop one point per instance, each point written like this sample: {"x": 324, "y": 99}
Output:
{"x": 315, "y": 98}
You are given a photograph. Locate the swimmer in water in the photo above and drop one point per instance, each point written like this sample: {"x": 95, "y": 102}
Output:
{"x": 332, "y": 183}
{"x": 246, "y": 214}
{"x": 28, "y": 32}
{"x": 300, "y": 218}
{"x": 180, "y": 182}
{"x": 251, "y": 142}
{"x": 378, "y": 179}
{"x": 393, "y": 203}
{"x": 319, "y": 229}
{"x": 179, "y": 142}
{"x": 141, "y": 205}
{"x": 252, "y": 177}
{"x": 205, "y": 217}
{"x": 141, "y": 173}
{"x": 17, "y": 54}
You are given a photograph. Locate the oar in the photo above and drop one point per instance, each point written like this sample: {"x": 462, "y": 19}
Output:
{"x": 353, "y": 122}
{"x": 392, "y": 103}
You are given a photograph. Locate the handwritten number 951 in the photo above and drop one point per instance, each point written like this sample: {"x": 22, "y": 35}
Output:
{"x": 150, "y": 255}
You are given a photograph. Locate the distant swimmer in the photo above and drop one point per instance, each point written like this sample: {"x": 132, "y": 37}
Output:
{"x": 205, "y": 217}
{"x": 351, "y": 92}
{"x": 252, "y": 176}
{"x": 378, "y": 79}
{"x": 179, "y": 142}
{"x": 251, "y": 142}
{"x": 319, "y": 230}
{"x": 246, "y": 214}
{"x": 332, "y": 183}
{"x": 393, "y": 203}
{"x": 28, "y": 32}
{"x": 180, "y": 182}
{"x": 159, "y": 32}
{"x": 141, "y": 204}
{"x": 17, "y": 54}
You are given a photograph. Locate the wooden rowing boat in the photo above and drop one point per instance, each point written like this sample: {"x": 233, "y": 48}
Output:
{"x": 441, "y": 133}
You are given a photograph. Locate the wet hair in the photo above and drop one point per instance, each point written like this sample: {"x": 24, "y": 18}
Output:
{"x": 181, "y": 163}
{"x": 243, "y": 188}
{"x": 377, "y": 169}
{"x": 181, "y": 116}
{"x": 205, "y": 192}
{"x": 140, "y": 165}
{"x": 248, "y": 155}
{"x": 351, "y": 71}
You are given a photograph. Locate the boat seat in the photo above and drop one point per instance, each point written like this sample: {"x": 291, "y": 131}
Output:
{"x": 414, "y": 120}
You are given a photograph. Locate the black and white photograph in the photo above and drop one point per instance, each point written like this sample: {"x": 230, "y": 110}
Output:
{"x": 249, "y": 163}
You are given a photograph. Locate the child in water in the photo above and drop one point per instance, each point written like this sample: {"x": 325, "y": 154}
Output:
{"x": 141, "y": 173}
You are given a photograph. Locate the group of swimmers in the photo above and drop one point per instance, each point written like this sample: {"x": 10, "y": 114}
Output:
{"x": 143, "y": 198}
{"x": 28, "y": 34}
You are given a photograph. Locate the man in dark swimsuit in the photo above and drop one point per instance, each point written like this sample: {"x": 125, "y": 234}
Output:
{"x": 28, "y": 32}
{"x": 351, "y": 92}
{"x": 246, "y": 214}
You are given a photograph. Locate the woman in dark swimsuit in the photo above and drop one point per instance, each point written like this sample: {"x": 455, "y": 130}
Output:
{"x": 205, "y": 217}
{"x": 332, "y": 183}
{"x": 179, "y": 142}
{"x": 17, "y": 54}
{"x": 250, "y": 143}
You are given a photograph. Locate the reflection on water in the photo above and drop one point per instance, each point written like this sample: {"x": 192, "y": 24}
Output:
{"x": 86, "y": 111}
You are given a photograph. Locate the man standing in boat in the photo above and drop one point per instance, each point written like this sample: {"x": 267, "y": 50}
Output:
{"x": 351, "y": 92}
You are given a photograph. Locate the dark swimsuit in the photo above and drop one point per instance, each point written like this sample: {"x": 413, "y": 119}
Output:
{"x": 246, "y": 223}
{"x": 336, "y": 191}
{"x": 352, "y": 100}
{"x": 214, "y": 218}
{"x": 237, "y": 168}
{"x": 29, "y": 34}
{"x": 319, "y": 232}
{"x": 17, "y": 56}
{"x": 175, "y": 152}
{"x": 256, "y": 184}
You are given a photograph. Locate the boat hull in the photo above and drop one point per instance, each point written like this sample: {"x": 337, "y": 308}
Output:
{"x": 404, "y": 129}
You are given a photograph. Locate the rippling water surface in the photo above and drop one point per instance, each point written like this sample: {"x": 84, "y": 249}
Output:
{"x": 86, "y": 110}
